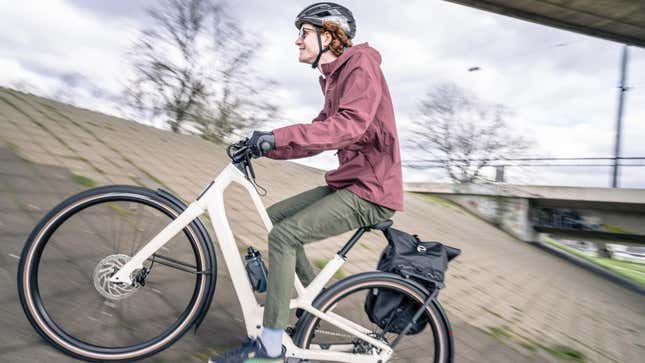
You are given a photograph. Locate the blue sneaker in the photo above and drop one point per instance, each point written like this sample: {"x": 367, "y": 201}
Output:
{"x": 251, "y": 351}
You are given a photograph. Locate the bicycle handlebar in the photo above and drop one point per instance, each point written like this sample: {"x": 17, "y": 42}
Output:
{"x": 239, "y": 151}
{"x": 241, "y": 155}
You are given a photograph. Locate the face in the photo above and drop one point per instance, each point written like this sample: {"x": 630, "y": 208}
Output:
{"x": 307, "y": 43}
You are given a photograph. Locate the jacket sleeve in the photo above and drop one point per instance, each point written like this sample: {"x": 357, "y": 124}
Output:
{"x": 359, "y": 100}
{"x": 286, "y": 153}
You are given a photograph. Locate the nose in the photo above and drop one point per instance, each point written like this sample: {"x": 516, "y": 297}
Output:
{"x": 298, "y": 41}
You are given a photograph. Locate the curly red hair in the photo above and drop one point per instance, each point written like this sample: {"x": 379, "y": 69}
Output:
{"x": 339, "y": 40}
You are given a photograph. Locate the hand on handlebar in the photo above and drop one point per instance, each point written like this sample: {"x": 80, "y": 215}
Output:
{"x": 260, "y": 143}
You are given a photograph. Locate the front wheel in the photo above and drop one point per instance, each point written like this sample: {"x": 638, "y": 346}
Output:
{"x": 67, "y": 261}
{"x": 347, "y": 297}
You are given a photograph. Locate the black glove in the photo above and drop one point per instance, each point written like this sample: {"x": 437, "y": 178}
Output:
{"x": 261, "y": 142}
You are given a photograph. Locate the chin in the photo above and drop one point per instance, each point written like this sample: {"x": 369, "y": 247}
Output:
{"x": 305, "y": 60}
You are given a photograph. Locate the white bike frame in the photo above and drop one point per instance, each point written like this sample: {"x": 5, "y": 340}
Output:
{"x": 212, "y": 200}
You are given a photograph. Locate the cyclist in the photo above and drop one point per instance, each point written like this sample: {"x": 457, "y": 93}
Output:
{"x": 357, "y": 120}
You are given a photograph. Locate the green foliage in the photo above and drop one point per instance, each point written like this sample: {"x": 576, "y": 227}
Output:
{"x": 499, "y": 332}
{"x": 84, "y": 181}
{"x": 321, "y": 262}
{"x": 613, "y": 229}
{"x": 560, "y": 351}
{"x": 13, "y": 147}
{"x": 564, "y": 352}
{"x": 632, "y": 271}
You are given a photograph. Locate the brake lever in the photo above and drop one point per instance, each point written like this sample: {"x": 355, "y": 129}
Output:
{"x": 250, "y": 166}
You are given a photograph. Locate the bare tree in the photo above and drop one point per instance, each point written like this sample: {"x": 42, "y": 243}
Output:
{"x": 464, "y": 134}
{"x": 192, "y": 68}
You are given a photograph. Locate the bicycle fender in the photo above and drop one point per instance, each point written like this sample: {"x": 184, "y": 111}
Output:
{"x": 442, "y": 315}
{"x": 210, "y": 250}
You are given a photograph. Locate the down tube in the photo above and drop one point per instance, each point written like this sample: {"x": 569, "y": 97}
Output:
{"x": 214, "y": 198}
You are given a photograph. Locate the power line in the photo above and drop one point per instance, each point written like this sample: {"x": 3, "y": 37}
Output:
{"x": 525, "y": 165}
{"x": 528, "y": 162}
{"x": 526, "y": 159}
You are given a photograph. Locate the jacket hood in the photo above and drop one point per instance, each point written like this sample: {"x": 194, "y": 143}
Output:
{"x": 362, "y": 49}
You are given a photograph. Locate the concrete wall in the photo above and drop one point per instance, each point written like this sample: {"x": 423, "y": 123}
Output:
{"x": 509, "y": 214}
{"x": 605, "y": 195}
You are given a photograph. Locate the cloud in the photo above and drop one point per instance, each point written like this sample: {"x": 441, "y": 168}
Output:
{"x": 53, "y": 38}
{"x": 115, "y": 8}
{"x": 560, "y": 85}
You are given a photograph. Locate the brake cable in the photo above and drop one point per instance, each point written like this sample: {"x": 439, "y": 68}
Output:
{"x": 245, "y": 163}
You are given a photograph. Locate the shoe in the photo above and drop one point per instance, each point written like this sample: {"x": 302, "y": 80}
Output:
{"x": 251, "y": 351}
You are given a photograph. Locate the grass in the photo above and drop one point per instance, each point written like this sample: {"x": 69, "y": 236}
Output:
{"x": 322, "y": 262}
{"x": 613, "y": 229}
{"x": 16, "y": 150}
{"x": 84, "y": 181}
{"x": 243, "y": 250}
{"x": 499, "y": 332}
{"x": 531, "y": 347}
{"x": 627, "y": 269}
{"x": 559, "y": 351}
{"x": 13, "y": 147}
{"x": 632, "y": 271}
{"x": 565, "y": 353}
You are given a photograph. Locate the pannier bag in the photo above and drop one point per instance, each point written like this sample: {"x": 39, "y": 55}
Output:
{"x": 408, "y": 256}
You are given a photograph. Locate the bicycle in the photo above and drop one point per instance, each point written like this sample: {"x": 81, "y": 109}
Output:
{"x": 145, "y": 293}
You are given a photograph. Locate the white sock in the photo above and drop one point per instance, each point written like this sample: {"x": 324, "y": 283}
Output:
{"x": 272, "y": 341}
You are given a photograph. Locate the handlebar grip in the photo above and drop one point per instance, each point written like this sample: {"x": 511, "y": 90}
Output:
{"x": 265, "y": 146}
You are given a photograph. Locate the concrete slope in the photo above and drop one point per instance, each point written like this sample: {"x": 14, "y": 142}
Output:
{"x": 518, "y": 293}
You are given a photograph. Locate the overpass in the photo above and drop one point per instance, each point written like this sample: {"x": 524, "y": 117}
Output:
{"x": 621, "y": 21}
{"x": 599, "y": 215}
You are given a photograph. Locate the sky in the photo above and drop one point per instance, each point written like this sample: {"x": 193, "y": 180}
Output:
{"x": 560, "y": 86}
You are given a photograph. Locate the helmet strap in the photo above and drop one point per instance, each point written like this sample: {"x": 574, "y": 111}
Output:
{"x": 320, "y": 49}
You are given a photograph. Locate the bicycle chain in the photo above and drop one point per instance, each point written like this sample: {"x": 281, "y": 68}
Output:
{"x": 334, "y": 334}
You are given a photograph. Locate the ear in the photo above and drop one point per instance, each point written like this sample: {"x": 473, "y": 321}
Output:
{"x": 326, "y": 38}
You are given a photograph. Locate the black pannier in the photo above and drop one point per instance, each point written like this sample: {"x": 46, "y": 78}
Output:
{"x": 408, "y": 256}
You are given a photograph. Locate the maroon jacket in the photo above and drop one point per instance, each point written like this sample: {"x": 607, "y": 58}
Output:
{"x": 358, "y": 121}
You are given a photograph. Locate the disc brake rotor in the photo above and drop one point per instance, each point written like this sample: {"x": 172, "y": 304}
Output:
{"x": 105, "y": 269}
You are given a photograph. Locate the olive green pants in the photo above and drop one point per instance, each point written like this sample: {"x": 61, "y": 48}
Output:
{"x": 310, "y": 216}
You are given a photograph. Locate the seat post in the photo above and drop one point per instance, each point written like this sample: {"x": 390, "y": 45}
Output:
{"x": 352, "y": 241}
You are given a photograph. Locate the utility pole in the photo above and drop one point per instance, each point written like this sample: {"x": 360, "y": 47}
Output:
{"x": 622, "y": 89}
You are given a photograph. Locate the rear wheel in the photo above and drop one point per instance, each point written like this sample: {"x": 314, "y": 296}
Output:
{"x": 347, "y": 297}
{"x": 63, "y": 276}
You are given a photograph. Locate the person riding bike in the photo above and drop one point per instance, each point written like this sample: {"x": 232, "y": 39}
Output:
{"x": 357, "y": 120}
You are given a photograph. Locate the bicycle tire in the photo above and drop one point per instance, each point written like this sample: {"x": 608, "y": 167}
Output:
{"x": 308, "y": 325}
{"x": 29, "y": 288}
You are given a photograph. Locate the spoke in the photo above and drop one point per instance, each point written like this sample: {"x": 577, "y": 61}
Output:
{"x": 349, "y": 305}
{"x": 135, "y": 240}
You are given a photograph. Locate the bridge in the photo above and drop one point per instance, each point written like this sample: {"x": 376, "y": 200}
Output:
{"x": 599, "y": 215}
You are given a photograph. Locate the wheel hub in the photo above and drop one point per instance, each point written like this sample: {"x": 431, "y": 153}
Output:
{"x": 105, "y": 269}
